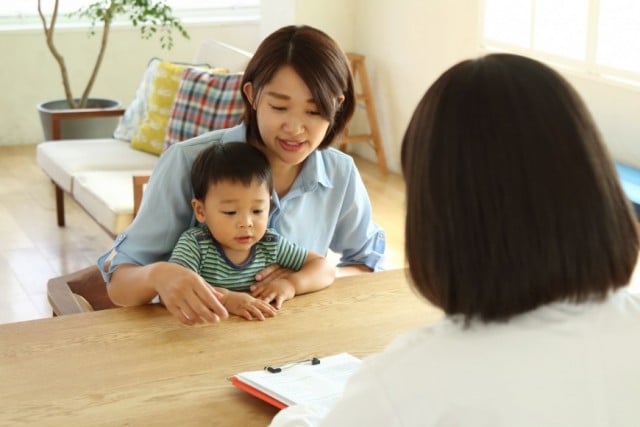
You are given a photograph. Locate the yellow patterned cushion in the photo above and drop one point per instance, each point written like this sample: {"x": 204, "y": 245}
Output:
{"x": 151, "y": 133}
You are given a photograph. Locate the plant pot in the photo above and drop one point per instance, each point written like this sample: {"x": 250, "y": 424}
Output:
{"x": 79, "y": 128}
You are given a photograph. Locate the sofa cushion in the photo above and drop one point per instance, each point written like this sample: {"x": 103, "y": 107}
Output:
{"x": 107, "y": 196}
{"x": 206, "y": 100}
{"x": 62, "y": 160}
{"x": 137, "y": 110}
{"x": 150, "y": 134}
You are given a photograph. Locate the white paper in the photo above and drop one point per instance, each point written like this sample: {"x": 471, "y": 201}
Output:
{"x": 304, "y": 383}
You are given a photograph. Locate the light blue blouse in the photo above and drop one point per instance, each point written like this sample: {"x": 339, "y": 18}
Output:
{"x": 327, "y": 207}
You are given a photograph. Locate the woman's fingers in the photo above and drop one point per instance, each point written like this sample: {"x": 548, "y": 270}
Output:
{"x": 210, "y": 306}
{"x": 271, "y": 273}
{"x": 197, "y": 306}
{"x": 183, "y": 313}
{"x": 279, "y": 300}
{"x": 267, "y": 272}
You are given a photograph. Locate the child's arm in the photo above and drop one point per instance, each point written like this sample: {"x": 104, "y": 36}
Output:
{"x": 244, "y": 305}
{"x": 316, "y": 273}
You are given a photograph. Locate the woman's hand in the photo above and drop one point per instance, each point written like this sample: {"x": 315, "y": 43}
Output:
{"x": 188, "y": 296}
{"x": 183, "y": 292}
{"x": 273, "y": 272}
{"x": 244, "y": 305}
{"x": 274, "y": 292}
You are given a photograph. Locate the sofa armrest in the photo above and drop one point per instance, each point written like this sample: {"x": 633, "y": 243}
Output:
{"x": 79, "y": 113}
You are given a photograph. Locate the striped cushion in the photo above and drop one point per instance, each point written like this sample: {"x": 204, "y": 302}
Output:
{"x": 205, "y": 101}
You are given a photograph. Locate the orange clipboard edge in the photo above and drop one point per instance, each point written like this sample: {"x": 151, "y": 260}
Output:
{"x": 237, "y": 382}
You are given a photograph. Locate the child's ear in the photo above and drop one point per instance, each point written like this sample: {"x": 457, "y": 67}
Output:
{"x": 198, "y": 209}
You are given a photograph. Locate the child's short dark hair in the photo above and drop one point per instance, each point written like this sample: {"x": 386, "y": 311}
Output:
{"x": 234, "y": 161}
{"x": 512, "y": 200}
{"x": 319, "y": 62}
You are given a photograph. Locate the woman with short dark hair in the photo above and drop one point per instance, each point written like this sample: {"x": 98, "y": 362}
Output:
{"x": 518, "y": 229}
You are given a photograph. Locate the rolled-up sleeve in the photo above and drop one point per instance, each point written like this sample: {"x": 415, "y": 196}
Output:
{"x": 164, "y": 214}
{"x": 357, "y": 237}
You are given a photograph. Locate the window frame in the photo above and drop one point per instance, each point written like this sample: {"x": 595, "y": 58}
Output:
{"x": 587, "y": 67}
{"x": 232, "y": 11}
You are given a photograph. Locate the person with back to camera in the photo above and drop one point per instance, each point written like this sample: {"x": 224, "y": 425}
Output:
{"x": 232, "y": 188}
{"x": 299, "y": 96}
{"x": 517, "y": 228}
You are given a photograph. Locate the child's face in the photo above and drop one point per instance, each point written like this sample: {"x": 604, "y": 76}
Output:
{"x": 288, "y": 119}
{"x": 237, "y": 215}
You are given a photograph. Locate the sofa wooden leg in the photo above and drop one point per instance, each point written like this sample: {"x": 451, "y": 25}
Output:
{"x": 59, "y": 205}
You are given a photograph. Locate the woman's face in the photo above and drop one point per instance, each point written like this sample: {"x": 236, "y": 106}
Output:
{"x": 288, "y": 119}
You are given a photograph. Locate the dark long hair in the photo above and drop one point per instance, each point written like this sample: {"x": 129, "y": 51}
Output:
{"x": 512, "y": 199}
{"x": 320, "y": 63}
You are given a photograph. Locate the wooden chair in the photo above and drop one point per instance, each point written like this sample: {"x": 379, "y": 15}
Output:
{"x": 139, "y": 182}
{"x": 365, "y": 95}
{"x": 78, "y": 292}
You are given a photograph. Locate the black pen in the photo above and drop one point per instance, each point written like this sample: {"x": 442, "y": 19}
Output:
{"x": 276, "y": 369}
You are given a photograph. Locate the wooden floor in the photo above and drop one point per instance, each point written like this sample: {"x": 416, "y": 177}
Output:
{"x": 33, "y": 248}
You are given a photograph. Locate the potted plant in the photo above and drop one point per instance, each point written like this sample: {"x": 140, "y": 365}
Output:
{"x": 152, "y": 17}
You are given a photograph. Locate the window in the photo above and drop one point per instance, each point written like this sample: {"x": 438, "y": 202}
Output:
{"x": 24, "y": 14}
{"x": 601, "y": 37}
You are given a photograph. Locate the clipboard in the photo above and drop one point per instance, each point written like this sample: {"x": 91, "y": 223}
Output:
{"x": 312, "y": 381}
{"x": 257, "y": 393}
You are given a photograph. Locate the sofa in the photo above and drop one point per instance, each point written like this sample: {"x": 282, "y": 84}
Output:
{"x": 174, "y": 101}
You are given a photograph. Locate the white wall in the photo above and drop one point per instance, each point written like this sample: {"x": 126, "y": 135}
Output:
{"x": 29, "y": 74}
{"x": 335, "y": 17}
{"x": 616, "y": 110}
{"x": 407, "y": 44}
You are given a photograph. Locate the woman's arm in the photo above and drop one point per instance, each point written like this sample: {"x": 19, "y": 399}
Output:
{"x": 357, "y": 238}
{"x": 315, "y": 274}
{"x": 185, "y": 294}
{"x": 352, "y": 270}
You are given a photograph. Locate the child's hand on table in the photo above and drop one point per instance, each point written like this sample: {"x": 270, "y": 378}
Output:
{"x": 245, "y": 305}
{"x": 274, "y": 292}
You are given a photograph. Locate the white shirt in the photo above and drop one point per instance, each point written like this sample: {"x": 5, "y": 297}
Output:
{"x": 564, "y": 365}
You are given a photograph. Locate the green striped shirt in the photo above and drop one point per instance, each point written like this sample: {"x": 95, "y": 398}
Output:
{"x": 197, "y": 250}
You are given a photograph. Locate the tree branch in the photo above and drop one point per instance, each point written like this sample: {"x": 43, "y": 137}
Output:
{"x": 108, "y": 18}
{"x": 48, "y": 31}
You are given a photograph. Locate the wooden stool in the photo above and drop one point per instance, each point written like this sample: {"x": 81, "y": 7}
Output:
{"x": 359, "y": 71}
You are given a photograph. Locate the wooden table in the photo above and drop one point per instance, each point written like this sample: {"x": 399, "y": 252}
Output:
{"x": 139, "y": 366}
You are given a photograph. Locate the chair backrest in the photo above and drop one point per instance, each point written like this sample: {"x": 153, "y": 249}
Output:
{"x": 63, "y": 292}
{"x": 139, "y": 184}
